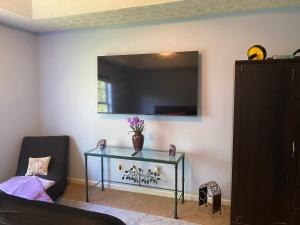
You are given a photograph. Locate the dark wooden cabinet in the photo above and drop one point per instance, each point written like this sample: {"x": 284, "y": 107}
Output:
{"x": 266, "y": 166}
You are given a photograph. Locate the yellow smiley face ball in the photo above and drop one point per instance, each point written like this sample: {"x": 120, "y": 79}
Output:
{"x": 257, "y": 52}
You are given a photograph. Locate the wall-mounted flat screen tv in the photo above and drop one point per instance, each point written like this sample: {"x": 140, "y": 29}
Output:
{"x": 149, "y": 84}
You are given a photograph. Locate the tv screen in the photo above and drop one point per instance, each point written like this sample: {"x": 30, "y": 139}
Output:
{"x": 149, "y": 84}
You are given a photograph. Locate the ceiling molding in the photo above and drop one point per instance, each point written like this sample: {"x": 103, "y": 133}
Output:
{"x": 18, "y": 7}
{"x": 154, "y": 13}
{"x": 47, "y": 9}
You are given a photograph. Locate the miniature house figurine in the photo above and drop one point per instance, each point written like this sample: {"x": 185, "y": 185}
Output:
{"x": 172, "y": 150}
{"x": 101, "y": 144}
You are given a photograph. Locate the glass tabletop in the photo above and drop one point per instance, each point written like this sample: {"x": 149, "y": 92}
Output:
{"x": 149, "y": 155}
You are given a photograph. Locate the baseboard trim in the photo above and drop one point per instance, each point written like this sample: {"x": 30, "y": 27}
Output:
{"x": 142, "y": 190}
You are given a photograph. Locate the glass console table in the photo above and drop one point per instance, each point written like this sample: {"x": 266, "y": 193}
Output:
{"x": 146, "y": 155}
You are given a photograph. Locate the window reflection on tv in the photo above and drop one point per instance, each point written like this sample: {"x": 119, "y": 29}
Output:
{"x": 149, "y": 84}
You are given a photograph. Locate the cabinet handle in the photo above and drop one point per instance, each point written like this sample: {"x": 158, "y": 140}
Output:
{"x": 293, "y": 151}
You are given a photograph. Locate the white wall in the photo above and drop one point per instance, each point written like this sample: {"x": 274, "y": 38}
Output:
{"x": 68, "y": 75}
{"x": 19, "y": 95}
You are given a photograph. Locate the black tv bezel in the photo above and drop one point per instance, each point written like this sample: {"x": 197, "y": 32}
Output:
{"x": 162, "y": 115}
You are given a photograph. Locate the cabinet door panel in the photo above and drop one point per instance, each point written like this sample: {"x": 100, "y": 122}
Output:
{"x": 297, "y": 81}
{"x": 297, "y": 109}
{"x": 297, "y": 197}
{"x": 297, "y": 139}
{"x": 264, "y": 117}
{"x": 296, "y": 203}
{"x": 297, "y": 218}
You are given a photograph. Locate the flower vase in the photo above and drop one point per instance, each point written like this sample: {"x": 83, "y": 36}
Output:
{"x": 138, "y": 142}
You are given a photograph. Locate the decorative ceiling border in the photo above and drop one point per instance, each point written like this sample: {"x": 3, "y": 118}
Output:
{"x": 147, "y": 14}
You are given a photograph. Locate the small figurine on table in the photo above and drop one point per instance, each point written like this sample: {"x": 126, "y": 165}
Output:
{"x": 172, "y": 150}
{"x": 101, "y": 144}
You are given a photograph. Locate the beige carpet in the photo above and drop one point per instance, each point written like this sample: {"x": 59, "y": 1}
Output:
{"x": 150, "y": 204}
{"x": 127, "y": 216}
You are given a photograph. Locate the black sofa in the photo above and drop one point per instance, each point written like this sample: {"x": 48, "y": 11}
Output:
{"x": 20, "y": 211}
{"x": 55, "y": 146}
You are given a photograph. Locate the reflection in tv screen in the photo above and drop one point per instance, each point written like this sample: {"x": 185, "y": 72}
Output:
{"x": 149, "y": 84}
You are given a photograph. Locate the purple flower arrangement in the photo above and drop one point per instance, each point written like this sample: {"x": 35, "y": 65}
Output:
{"x": 136, "y": 124}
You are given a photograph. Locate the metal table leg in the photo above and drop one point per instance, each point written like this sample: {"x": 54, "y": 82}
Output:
{"x": 176, "y": 191}
{"x": 102, "y": 176}
{"x": 86, "y": 180}
{"x": 182, "y": 199}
